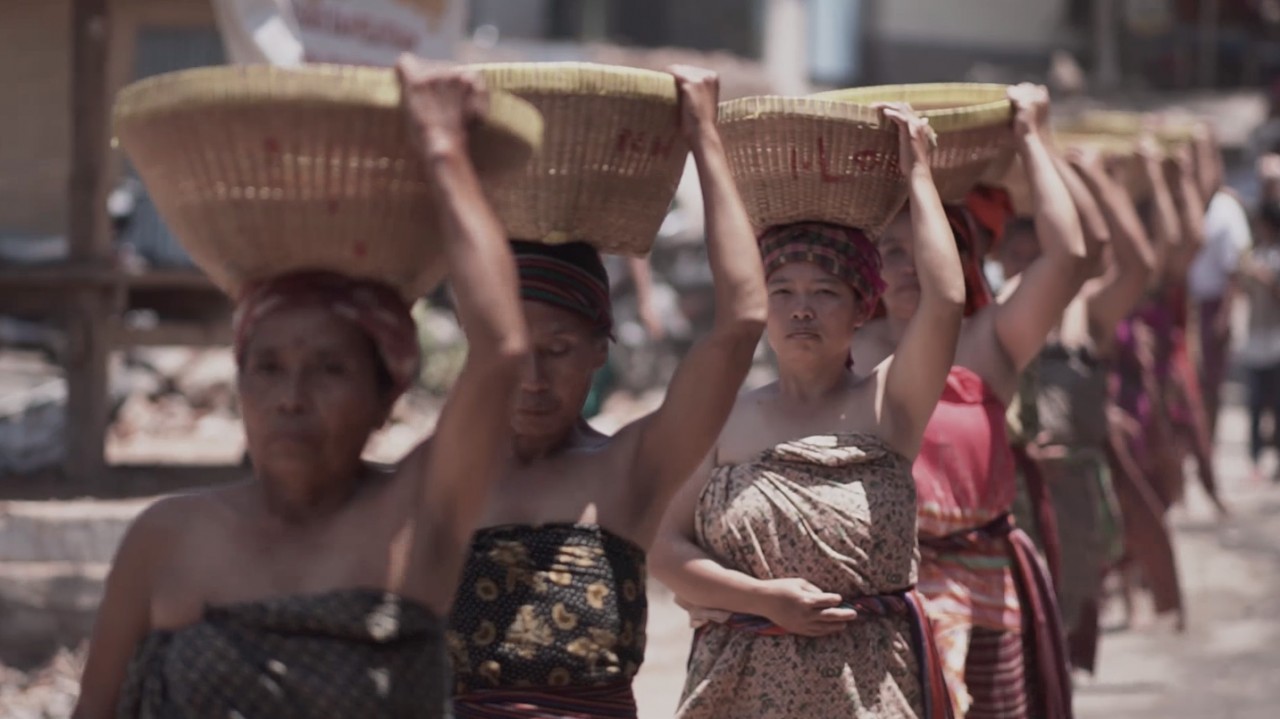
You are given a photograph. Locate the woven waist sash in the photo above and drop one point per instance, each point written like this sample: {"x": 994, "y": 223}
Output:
{"x": 609, "y": 701}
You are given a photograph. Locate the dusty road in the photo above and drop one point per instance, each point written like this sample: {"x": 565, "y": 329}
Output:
{"x": 1226, "y": 666}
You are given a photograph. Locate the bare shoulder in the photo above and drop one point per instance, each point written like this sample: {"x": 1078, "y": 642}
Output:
{"x": 980, "y": 350}
{"x": 170, "y": 521}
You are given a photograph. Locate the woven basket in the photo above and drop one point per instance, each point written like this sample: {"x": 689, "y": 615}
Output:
{"x": 807, "y": 159}
{"x": 261, "y": 171}
{"x": 611, "y": 158}
{"x": 972, "y": 122}
{"x": 1169, "y": 130}
{"x": 1117, "y": 149}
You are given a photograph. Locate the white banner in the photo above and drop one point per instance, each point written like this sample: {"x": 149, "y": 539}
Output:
{"x": 352, "y": 32}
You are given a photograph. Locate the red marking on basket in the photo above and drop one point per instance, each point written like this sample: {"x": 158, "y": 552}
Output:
{"x": 631, "y": 141}
{"x": 331, "y": 205}
{"x": 360, "y": 249}
{"x": 863, "y": 161}
{"x": 271, "y": 146}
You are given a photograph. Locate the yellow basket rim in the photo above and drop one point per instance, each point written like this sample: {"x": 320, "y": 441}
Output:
{"x": 983, "y": 103}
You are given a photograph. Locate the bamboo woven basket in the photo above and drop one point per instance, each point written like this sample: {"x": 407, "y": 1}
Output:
{"x": 611, "y": 157}
{"x": 261, "y": 171}
{"x": 809, "y": 159}
{"x": 972, "y": 122}
{"x": 1169, "y": 130}
{"x": 1119, "y": 150}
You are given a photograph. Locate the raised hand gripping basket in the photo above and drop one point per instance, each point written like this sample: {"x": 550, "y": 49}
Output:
{"x": 261, "y": 171}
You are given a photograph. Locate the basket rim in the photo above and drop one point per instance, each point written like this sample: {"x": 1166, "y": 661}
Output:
{"x": 579, "y": 78}
{"x": 984, "y": 103}
{"x": 760, "y": 107}
{"x": 1107, "y": 143}
{"x": 255, "y": 85}
{"x": 1169, "y": 129}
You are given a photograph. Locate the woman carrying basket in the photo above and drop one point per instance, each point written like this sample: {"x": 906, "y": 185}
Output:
{"x": 551, "y": 611}
{"x": 794, "y": 546}
{"x": 987, "y": 593}
{"x": 319, "y": 586}
{"x": 1072, "y": 395}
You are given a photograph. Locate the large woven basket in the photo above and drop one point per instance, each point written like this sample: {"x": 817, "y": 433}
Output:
{"x": 1119, "y": 150}
{"x": 1170, "y": 130}
{"x": 972, "y": 122}
{"x": 261, "y": 171}
{"x": 611, "y": 157}
{"x": 808, "y": 159}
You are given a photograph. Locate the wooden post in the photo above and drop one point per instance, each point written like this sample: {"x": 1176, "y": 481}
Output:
{"x": 1106, "y": 45}
{"x": 89, "y": 239}
{"x": 1208, "y": 26}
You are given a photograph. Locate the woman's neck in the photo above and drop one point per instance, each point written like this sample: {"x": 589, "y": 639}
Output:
{"x": 812, "y": 383}
{"x": 299, "y": 503}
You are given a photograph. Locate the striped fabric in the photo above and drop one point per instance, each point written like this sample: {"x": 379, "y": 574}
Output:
{"x": 1039, "y": 612}
{"x": 844, "y": 252}
{"x": 570, "y": 276}
{"x": 612, "y": 701}
{"x": 996, "y": 675}
{"x": 937, "y": 702}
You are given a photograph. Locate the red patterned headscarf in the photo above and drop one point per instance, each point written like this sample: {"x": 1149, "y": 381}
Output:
{"x": 844, "y": 252}
{"x": 373, "y": 307}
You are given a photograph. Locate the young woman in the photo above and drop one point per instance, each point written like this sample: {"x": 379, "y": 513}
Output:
{"x": 550, "y": 615}
{"x": 318, "y": 587}
{"x": 797, "y": 536}
{"x": 985, "y": 588}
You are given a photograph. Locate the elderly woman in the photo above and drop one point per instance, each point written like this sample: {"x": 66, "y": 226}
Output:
{"x": 798, "y": 535}
{"x": 1073, "y": 398}
{"x": 977, "y": 571}
{"x": 318, "y": 587}
{"x": 550, "y": 615}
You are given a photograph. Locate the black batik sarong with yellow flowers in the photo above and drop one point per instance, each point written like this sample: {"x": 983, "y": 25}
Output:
{"x": 549, "y": 614}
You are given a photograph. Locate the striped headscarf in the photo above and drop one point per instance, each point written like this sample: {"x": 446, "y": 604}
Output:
{"x": 373, "y": 307}
{"x": 844, "y": 252}
{"x": 569, "y": 276}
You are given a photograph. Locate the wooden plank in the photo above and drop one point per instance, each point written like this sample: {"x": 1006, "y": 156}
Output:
{"x": 173, "y": 334}
{"x": 77, "y": 274}
{"x": 121, "y": 482}
{"x": 89, "y": 238}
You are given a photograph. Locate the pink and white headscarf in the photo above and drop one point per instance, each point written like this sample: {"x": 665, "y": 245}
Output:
{"x": 373, "y": 307}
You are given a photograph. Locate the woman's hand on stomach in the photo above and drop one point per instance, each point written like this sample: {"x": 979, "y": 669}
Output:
{"x": 800, "y": 607}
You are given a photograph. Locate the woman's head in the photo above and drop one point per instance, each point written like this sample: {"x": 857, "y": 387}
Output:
{"x": 975, "y": 232}
{"x": 565, "y": 289}
{"x": 824, "y": 281}
{"x": 322, "y": 358}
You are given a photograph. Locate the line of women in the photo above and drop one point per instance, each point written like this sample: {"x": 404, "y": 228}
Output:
{"x": 843, "y": 537}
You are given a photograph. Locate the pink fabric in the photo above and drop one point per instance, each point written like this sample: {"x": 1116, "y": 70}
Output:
{"x": 373, "y": 307}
